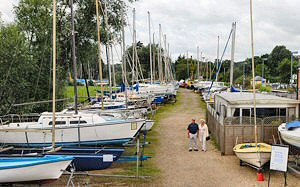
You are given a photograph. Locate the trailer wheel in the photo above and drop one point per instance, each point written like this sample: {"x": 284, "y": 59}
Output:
{"x": 241, "y": 163}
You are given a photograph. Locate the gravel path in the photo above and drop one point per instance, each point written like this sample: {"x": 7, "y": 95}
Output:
{"x": 182, "y": 168}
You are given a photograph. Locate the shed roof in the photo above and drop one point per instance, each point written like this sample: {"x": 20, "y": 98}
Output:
{"x": 236, "y": 98}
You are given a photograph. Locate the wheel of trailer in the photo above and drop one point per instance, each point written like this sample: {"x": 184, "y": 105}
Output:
{"x": 241, "y": 163}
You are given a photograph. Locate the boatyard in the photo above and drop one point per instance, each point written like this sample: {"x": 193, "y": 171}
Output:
{"x": 143, "y": 93}
{"x": 198, "y": 168}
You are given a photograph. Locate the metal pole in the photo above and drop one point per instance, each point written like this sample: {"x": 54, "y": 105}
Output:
{"x": 150, "y": 48}
{"x": 187, "y": 64}
{"x": 291, "y": 80}
{"x": 54, "y": 74}
{"x": 154, "y": 50}
{"x": 108, "y": 51}
{"x": 165, "y": 57}
{"x": 99, "y": 52}
{"x": 160, "y": 58}
{"x": 201, "y": 58}
{"x": 253, "y": 74}
{"x": 133, "y": 46}
{"x": 218, "y": 49}
{"x": 109, "y": 68}
{"x": 113, "y": 66}
{"x": 232, "y": 53}
{"x": 262, "y": 69}
{"x": 198, "y": 67}
{"x": 124, "y": 58}
{"x": 74, "y": 59}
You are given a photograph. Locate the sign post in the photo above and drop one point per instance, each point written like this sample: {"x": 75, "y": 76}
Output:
{"x": 279, "y": 160}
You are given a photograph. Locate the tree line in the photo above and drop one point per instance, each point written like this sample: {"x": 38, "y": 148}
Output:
{"x": 274, "y": 67}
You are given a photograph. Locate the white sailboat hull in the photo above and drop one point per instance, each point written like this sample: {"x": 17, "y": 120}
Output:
{"x": 291, "y": 137}
{"x": 48, "y": 171}
{"x": 108, "y": 133}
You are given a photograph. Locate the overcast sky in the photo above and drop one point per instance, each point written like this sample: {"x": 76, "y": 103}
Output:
{"x": 192, "y": 23}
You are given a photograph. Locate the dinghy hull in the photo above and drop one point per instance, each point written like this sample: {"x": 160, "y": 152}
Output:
{"x": 256, "y": 156}
{"x": 32, "y": 169}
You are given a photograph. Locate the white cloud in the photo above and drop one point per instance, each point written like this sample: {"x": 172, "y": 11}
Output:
{"x": 192, "y": 23}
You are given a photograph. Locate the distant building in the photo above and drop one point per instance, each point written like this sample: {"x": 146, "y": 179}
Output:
{"x": 259, "y": 80}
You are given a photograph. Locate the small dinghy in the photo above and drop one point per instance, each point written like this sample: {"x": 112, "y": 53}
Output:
{"x": 255, "y": 155}
{"x": 85, "y": 159}
{"x": 32, "y": 169}
{"x": 290, "y": 133}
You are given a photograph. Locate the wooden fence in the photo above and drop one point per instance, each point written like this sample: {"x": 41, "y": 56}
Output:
{"x": 230, "y": 130}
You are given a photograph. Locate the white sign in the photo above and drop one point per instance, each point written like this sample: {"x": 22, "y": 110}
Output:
{"x": 108, "y": 158}
{"x": 279, "y": 158}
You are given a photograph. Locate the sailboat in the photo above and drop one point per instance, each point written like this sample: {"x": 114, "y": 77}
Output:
{"x": 290, "y": 133}
{"x": 34, "y": 169}
{"x": 254, "y": 154}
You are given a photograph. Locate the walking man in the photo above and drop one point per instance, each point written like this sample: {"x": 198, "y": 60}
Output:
{"x": 203, "y": 133}
{"x": 193, "y": 134}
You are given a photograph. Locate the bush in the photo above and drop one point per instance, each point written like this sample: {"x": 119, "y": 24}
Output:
{"x": 265, "y": 89}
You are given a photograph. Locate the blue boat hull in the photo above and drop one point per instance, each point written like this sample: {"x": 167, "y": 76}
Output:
{"x": 85, "y": 159}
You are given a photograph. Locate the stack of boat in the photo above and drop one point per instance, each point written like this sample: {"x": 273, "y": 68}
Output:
{"x": 79, "y": 137}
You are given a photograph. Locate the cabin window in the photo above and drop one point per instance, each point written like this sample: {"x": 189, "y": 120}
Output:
{"x": 246, "y": 112}
{"x": 58, "y": 122}
{"x": 77, "y": 122}
{"x": 236, "y": 112}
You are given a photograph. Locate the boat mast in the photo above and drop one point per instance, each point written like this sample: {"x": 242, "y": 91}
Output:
{"x": 165, "y": 58}
{"x": 74, "y": 58}
{"x": 150, "y": 48}
{"x": 198, "y": 70}
{"x": 107, "y": 46}
{"x": 113, "y": 66}
{"x": 201, "y": 62}
{"x": 99, "y": 52}
{"x": 54, "y": 74}
{"x": 154, "y": 50}
{"x": 218, "y": 49}
{"x": 124, "y": 57}
{"x": 232, "y": 53}
{"x": 133, "y": 47}
{"x": 253, "y": 74}
{"x": 187, "y": 64}
{"x": 159, "y": 57}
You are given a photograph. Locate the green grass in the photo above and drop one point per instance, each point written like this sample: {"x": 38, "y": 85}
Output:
{"x": 81, "y": 90}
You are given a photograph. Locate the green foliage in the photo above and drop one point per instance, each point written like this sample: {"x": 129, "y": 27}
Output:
{"x": 17, "y": 68}
{"x": 265, "y": 89}
{"x": 278, "y": 54}
{"x": 186, "y": 68}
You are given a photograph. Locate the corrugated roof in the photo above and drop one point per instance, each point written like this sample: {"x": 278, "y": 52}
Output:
{"x": 247, "y": 98}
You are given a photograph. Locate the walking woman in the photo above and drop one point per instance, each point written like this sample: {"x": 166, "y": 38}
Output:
{"x": 203, "y": 131}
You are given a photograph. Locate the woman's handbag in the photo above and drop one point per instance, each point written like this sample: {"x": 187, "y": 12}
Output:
{"x": 207, "y": 138}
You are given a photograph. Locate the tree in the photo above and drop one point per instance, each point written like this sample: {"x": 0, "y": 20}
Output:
{"x": 16, "y": 70}
{"x": 278, "y": 54}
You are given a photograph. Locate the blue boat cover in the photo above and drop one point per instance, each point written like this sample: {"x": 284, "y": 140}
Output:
{"x": 292, "y": 125}
{"x": 233, "y": 89}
